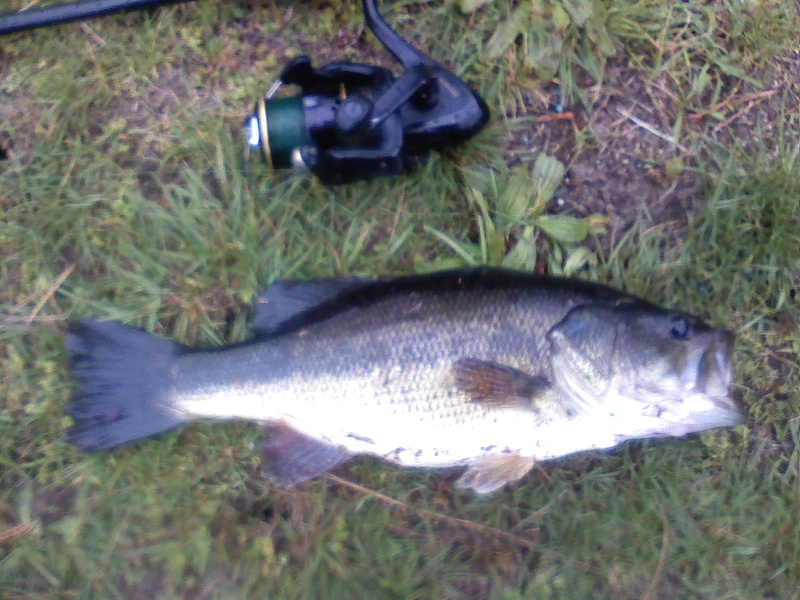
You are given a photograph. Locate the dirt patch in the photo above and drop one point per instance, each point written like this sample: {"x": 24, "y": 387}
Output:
{"x": 622, "y": 157}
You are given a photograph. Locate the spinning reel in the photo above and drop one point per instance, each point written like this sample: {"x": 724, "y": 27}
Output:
{"x": 354, "y": 121}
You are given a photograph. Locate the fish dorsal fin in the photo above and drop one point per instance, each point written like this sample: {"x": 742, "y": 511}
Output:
{"x": 284, "y": 301}
{"x": 290, "y": 457}
{"x": 499, "y": 386}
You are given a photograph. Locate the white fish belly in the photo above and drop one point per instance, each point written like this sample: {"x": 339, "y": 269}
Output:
{"x": 418, "y": 419}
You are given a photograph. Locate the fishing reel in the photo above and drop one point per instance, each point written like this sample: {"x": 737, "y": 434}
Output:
{"x": 354, "y": 121}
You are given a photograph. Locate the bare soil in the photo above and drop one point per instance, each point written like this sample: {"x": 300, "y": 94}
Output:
{"x": 631, "y": 161}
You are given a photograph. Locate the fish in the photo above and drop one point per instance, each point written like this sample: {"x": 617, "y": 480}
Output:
{"x": 487, "y": 370}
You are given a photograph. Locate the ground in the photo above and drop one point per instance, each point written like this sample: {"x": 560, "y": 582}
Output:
{"x": 123, "y": 195}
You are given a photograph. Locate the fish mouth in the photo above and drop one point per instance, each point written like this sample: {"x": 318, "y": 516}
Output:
{"x": 706, "y": 378}
{"x": 708, "y": 366}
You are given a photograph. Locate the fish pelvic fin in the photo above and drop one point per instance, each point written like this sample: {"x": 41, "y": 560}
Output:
{"x": 491, "y": 473}
{"x": 499, "y": 386}
{"x": 290, "y": 457}
{"x": 122, "y": 375}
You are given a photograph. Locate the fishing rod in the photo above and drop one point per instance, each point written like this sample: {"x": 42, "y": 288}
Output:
{"x": 24, "y": 20}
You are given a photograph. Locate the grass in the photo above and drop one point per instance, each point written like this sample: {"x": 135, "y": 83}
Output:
{"x": 122, "y": 195}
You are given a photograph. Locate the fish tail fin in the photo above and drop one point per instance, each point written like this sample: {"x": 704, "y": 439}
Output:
{"x": 122, "y": 393}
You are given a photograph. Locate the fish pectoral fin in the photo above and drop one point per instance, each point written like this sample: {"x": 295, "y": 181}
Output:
{"x": 497, "y": 385}
{"x": 493, "y": 472}
{"x": 276, "y": 307}
{"x": 290, "y": 457}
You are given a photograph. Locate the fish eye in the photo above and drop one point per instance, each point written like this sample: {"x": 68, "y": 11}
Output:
{"x": 679, "y": 327}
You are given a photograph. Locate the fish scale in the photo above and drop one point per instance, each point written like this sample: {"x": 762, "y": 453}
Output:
{"x": 363, "y": 362}
{"x": 486, "y": 369}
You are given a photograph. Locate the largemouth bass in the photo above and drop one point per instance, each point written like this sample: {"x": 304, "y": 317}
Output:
{"x": 487, "y": 369}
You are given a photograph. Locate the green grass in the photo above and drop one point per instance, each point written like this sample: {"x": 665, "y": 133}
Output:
{"x": 123, "y": 196}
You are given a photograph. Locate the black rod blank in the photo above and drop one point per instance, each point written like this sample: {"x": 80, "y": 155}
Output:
{"x": 71, "y": 11}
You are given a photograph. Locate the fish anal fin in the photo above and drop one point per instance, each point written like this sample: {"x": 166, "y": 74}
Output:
{"x": 290, "y": 457}
{"x": 499, "y": 386}
{"x": 282, "y": 302}
{"x": 491, "y": 473}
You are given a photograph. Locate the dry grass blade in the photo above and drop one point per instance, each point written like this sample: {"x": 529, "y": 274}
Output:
{"x": 732, "y": 103}
{"x": 15, "y": 531}
{"x": 49, "y": 293}
{"x": 646, "y": 126}
{"x": 29, "y": 5}
{"x": 662, "y": 559}
{"x": 458, "y": 522}
{"x": 29, "y": 319}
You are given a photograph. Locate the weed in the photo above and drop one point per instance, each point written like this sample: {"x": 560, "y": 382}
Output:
{"x": 509, "y": 232}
